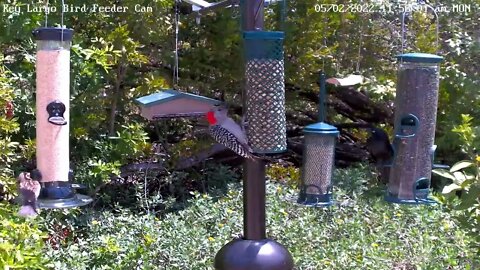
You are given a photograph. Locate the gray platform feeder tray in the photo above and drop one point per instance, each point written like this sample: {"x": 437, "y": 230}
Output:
{"x": 54, "y": 195}
{"x": 170, "y": 103}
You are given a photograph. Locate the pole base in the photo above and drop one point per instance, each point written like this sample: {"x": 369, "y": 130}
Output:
{"x": 265, "y": 254}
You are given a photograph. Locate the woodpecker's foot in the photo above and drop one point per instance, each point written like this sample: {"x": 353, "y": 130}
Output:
{"x": 244, "y": 124}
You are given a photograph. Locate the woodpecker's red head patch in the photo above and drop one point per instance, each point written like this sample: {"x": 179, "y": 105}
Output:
{"x": 211, "y": 118}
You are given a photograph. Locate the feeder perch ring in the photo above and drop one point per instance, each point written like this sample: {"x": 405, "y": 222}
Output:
{"x": 76, "y": 201}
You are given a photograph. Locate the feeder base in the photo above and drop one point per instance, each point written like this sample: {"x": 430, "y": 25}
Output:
{"x": 315, "y": 204}
{"x": 313, "y": 200}
{"x": 265, "y": 254}
{"x": 76, "y": 201}
{"x": 392, "y": 199}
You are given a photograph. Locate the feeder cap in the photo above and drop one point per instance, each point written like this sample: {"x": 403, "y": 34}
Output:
{"x": 263, "y": 35}
{"x": 419, "y": 58}
{"x": 53, "y": 33}
{"x": 321, "y": 128}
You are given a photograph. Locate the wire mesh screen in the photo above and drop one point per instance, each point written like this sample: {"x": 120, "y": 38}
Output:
{"x": 265, "y": 91}
{"x": 417, "y": 95}
{"x": 318, "y": 158}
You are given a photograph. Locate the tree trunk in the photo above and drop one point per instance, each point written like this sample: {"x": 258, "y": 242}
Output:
{"x": 116, "y": 94}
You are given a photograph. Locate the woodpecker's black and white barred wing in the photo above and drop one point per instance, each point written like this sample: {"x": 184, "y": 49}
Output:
{"x": 226, "y": 138}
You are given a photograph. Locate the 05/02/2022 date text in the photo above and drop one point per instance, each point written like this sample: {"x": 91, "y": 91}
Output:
{"x": 351, "y": 8}
{"x": 372, "y": 8}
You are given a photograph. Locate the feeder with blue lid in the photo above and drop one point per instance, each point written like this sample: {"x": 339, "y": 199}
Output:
{"x": 318, "y": 164}
{"x": 416, "y": 104}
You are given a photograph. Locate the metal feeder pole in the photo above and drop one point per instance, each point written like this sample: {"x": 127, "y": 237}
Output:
{"x": 253, "y": 251}
{"x": 254, "y": 171}
{"x": 321, "y": 102}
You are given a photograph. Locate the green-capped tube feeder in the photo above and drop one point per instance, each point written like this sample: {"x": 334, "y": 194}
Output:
{"x": 265, "y": 91}
{"x": 318, "y": 157}
{"x": 415, "y": 119}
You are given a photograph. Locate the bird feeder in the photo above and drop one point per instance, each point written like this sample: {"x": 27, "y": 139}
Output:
{"x": 265, "y": 91}
{"x": 52, "y": 119}
{"x": 415, "y": 118}
{"x": 173, "y": 104}
{"x": 318, "y": 158}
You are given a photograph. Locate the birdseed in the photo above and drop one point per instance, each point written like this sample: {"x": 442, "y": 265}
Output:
{"x": 318, "y": 157}
{"x": 265, "y": 111}
{"x": 52, "y": 142}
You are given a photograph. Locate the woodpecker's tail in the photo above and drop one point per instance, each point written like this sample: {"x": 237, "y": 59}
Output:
{"x": 27, "y": 211}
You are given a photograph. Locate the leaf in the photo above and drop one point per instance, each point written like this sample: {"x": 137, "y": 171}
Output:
{"x": 444, "y": 173}
{"x": 461, "y": 165}
{"x": 450, "y": 188}
{"x": 469, "y": 198}
{"x": 460, "y": 177}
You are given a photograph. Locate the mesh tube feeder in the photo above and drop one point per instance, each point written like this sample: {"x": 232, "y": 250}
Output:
{"x": 415, "y": 119}
{"x": 318, "y": 158}
{"x": 265, "y": 91}
{"x": 52, "y": 119}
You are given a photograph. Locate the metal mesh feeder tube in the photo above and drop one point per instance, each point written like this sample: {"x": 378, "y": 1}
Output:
{"x": 318, "y": 164}
{"x": 415, "y": 119}
{"x": 265, "y": 91}
{"x": 52, "y": 118}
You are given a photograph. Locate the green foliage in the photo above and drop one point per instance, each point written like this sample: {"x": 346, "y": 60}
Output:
{"x": 21, "y": 242}
{"x": 284, "y": 174}
{"x": 113, "y": 152}
{"x": 188, "y": 148}
{"x": 469, "y": 136}
{"x": 360, "y": 231}
{"x": 116, "y": 58}
{"x": 465, "y": 180}
{"x": 8, "y": 126}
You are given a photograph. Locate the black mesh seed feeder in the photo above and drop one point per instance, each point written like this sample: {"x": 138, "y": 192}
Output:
{"x": 415, "y": 119}
{"x": 265, "y": 91}
{"x": 52, "y": 120}
{"x": 318, "y": 158}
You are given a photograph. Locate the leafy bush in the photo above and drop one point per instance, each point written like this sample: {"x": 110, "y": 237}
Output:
{"x": 465, "y": 181}
{"x": 21, "y": 242}
{"x": 284, "y": 174}
{"x": 360, "y": 231}
{"x": 98, "y": 164}
{"x": 8, "y": 126}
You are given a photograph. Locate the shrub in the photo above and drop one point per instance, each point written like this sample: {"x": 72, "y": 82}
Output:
{"x": 8, "y": 126}
{"x": 465, "y": 182}
{"x": 21, "y": 242}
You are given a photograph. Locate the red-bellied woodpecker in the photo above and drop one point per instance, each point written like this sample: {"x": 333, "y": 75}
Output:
{"x": 29, "y": 191}
{"x": 228, "y": 133}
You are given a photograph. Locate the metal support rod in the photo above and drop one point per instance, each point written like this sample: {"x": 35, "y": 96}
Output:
{"x": 252, "y": 15}
{"x": 254, "y": 171}
{"x": 321, "y": 101}
{"x": 254, "y": 200}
